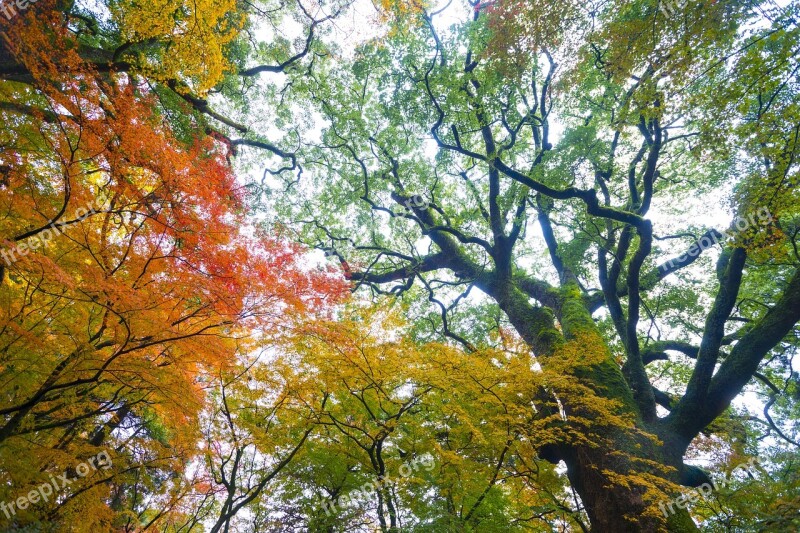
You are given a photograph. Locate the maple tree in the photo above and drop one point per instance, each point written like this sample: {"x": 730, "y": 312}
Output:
{"x": 130, "y": 275}
{"x": 412, "y": 435}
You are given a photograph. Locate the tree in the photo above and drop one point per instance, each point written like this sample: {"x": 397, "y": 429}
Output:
{"x": 542, "y": 154}
{"x": 130, "y": 274}
{"x": 415, "y": 436}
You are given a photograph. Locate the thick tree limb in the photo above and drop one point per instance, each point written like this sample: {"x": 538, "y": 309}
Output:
{"x": 730, "y": 267}
{"x": 739, "y": 367}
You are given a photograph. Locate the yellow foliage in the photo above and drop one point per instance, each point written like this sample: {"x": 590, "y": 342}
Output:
{"x": 193, "y": 35}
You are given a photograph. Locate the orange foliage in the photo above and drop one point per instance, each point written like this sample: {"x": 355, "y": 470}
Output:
{"x": 129, "y": 271}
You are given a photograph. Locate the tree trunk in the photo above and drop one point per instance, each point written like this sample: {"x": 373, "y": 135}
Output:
{"x": 612, "y": 474}
{"x": 613, "y": 507}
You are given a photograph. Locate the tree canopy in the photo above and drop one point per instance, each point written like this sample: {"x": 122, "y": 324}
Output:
{"x": 560, "y": 286}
